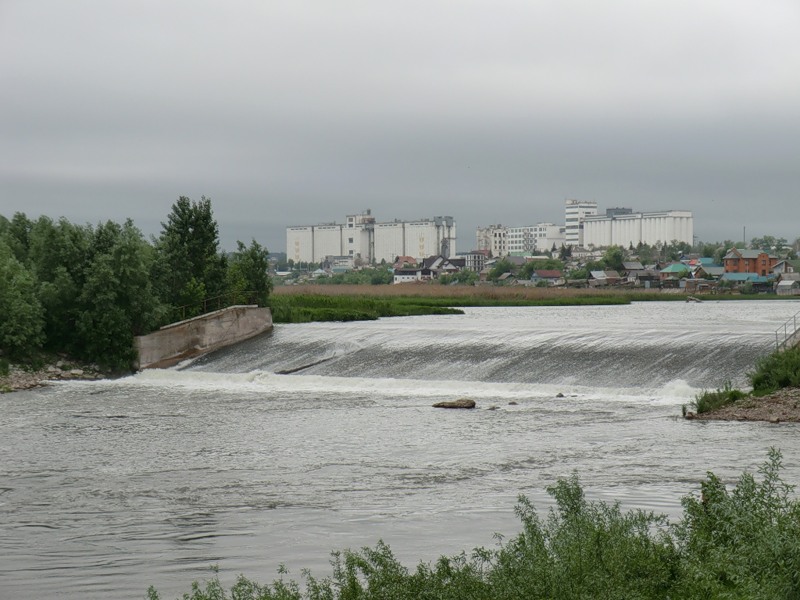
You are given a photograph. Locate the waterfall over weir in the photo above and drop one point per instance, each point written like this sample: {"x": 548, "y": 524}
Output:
{"x": 640, "y": 346}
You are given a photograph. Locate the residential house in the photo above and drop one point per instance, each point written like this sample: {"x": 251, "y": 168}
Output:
{"x": 439, "y": 265}
{"x": 760, "y": 283}
{"x": 646, "y": 278}
{"x": 601, "y": 278}
{"x": 785, "y": 266}
{"x": 739, "y": 260}
{"x": 404, "y": 262}
{"x": 476, "y": 260}
{"x": 788, "y": 287}
{"x": 633, "y": 265}
{"x": 551, "y": 276}
{"x": 412, "y": 275}
{"x": 711, "y": 271}
{"x": 675, "y": 271}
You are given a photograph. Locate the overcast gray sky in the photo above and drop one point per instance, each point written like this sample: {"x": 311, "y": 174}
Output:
{"x": 297, "y": 112}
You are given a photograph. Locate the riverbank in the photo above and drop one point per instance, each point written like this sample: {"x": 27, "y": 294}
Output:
{"x": 19, "y": 378}
{"x": 782, "y": 406}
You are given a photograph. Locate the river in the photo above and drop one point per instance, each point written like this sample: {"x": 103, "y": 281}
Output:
{"x": 108, "y": 487}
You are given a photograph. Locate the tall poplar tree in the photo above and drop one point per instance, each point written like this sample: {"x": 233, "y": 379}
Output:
{"x": 248, "y": 274}
{"x": 190, "y": 267}
{"x": 117, "y": 300}
{"x": 21, "y": 314}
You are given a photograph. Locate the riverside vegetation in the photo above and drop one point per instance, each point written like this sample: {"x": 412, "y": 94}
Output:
{"x": 777, "y": 371}
{"x": 85, "y": 291}
{"x": 739, "y": 543}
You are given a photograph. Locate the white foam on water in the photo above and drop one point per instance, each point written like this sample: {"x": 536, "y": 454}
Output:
{"x": 271, "y": 383}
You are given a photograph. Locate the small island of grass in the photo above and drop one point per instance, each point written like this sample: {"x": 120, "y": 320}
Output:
{"x": 775, "y": 394}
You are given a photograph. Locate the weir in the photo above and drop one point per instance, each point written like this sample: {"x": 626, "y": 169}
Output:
{"x": 643, "y": 345}
{"x": 198, "y": 335}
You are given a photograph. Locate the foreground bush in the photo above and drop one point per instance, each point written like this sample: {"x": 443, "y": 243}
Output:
{"x": 742, "y": 543}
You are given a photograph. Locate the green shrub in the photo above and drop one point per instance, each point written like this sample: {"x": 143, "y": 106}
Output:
{"x": 708, "y": 401}
{"x": 742, "y": 543}
{"x": 778, "y": 370}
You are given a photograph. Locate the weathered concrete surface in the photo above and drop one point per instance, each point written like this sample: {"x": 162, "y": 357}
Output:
{"x": 193, "y": 337}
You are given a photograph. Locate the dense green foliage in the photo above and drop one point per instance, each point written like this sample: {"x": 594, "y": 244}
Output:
{"x": 708, "y": 401}
{"x": 190, "y": 267}
{"x": 248, "y": 277}
{"x": 377, "y": 276}
{"x": 526, "y": 271}
{"x": 778, "y": 370}
{"x": 88, "y": 290}
{"x": 742, "y": 543}
{"x": 22, "y": 325}
{"x": 301, "y": 308}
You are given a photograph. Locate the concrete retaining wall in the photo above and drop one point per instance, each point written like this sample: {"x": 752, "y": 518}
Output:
{"x": 193, "y": 337}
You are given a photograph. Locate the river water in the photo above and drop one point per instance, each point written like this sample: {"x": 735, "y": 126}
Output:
{"x": 108, "y": 487}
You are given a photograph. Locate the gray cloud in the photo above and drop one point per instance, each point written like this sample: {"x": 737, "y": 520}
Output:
{"x": 301, "y": 112}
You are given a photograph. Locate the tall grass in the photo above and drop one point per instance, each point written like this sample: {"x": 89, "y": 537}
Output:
{"x": 778, "y": 370}
{"x": 479, "y": 291}
{"x": 303, "y": 308}
{"x": 742, "y": 543}
{"x": 347, "y": 303}
{"x": 708, "y": 401}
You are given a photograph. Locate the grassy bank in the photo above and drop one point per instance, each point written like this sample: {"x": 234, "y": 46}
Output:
{"x": 297, "y": 304}
{"x": 311, "y": 302}
{"x": 773, "y": 372}
{"x": 742, "y": 543}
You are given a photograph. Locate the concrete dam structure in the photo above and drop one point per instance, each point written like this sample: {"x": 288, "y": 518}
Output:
{"x": 199, "y": 335}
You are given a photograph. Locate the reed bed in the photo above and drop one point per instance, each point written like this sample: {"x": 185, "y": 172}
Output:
{"x": 489, "y": 292}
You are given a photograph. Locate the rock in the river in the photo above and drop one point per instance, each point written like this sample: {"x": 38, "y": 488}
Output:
{"x": 460, "y": 403}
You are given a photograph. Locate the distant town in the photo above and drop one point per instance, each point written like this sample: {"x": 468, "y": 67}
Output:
{"x": 620, "y": 247}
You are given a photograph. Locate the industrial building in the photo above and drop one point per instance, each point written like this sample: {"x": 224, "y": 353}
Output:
{"x": 623, "y": 227}
{"x": 369, "y": 241}
{"x": 576, "y": 212}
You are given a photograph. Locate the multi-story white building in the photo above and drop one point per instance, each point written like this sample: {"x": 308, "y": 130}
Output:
{"x": 493, "y": 238}
{"x": 529, "y": 239}
{"x": 521, "y": 240}
{"x": 365, "y": 238}
{"x": 547, "y": 235}
{"x": 576, "y": 212}
{"x": 631, "y": 228}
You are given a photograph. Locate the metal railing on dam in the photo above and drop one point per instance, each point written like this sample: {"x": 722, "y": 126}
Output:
{"x": 787, "y": 335}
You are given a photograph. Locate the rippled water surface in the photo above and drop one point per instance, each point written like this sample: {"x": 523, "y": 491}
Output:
{"x": 107, "y": 487}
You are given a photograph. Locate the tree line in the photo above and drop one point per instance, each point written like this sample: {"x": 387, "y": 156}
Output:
{"x": 87, "y": 290}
